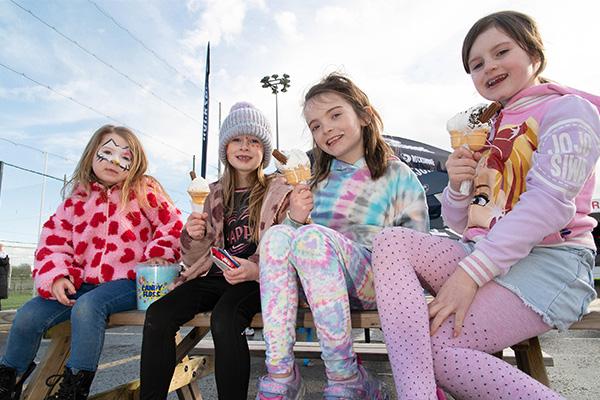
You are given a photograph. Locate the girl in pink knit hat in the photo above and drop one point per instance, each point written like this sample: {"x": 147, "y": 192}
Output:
{"x": 241, "y": 205}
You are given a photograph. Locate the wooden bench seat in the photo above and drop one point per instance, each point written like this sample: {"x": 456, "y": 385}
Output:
{"x": 192, "y": 365}
{"x": 529, "y": 352}
{"x": 195, "y": 357}
{"x": 372, "y": 351}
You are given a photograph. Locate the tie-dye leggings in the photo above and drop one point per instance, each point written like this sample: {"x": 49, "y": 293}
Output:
{"x": 404, "y": 259}
{"x": 336, "y": 276}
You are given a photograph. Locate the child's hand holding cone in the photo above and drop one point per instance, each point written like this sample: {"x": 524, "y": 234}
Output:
{"x": 470, "y": 129}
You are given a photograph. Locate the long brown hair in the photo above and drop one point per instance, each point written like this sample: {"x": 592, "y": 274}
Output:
{"x": 377, "y": 151}
{"x": 258, "y": 187}
{"x": 136, "y": 181}
{"x": 519, "y": 27}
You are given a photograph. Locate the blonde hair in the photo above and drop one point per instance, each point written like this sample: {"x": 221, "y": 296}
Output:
{"x": 136, "y": 182}
{"x": 377, "y": 151}
{"x": 259, "y": 183}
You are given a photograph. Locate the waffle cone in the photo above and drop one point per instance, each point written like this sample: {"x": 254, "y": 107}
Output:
{"x": 456, "y": 139}
{"x": 198, "y": 197}
{"x": 297, "y": 175}
{"x": 476, "y": 140}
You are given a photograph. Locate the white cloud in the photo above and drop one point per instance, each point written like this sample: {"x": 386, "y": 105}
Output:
{"x": 193, "y": 5}
{"x": 220, "y": 19}
{"x": 287, "y": 23}
{"x": 24, "y": 93}
{"x": 334, "y": 16}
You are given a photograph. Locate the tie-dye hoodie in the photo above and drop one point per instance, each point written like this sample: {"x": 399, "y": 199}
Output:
{"x": 535, "y": 182}
{"x": 358, "y": 207}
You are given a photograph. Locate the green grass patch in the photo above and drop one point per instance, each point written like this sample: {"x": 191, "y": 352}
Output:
{"x": 15, "y": 300}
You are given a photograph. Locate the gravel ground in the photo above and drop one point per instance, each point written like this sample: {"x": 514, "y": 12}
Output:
{"x": 575, "y": 373}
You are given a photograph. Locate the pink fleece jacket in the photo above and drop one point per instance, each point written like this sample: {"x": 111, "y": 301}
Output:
{"x": 92, "y": 238}
{"x": 539, "y": 163}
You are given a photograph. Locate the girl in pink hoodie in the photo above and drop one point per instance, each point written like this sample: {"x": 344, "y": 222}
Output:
{"x": 114, "y": 218}
{"x": 525, "y": 262}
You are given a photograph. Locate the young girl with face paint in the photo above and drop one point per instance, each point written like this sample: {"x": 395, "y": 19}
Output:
{"x": 84, "y": 270}
{"x": 526, "y": 258}
{"x": 359, "y": 188}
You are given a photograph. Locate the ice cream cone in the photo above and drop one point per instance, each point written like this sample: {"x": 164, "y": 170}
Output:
{"x": 468, "y": 129}
{"x": 295, "y": 167}
{"x": 198, "y": 199}
{"x": 456, "y": 139}
{"x": 297, "y": 175}
{"x": 198, "y": 191}
{"x": 476, "y": 139}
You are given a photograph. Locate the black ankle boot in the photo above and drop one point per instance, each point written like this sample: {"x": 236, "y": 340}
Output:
{"x": 71, "y": 386}
{"x": 8, "y": 381}
{"x": 10, "y": 386}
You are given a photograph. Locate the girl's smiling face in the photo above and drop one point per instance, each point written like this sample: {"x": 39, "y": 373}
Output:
{"x": 335, "y": 126}
{"x": 245, "y": 153}
{"x": 499, "y": 67}
{"x": 113, "y": 159}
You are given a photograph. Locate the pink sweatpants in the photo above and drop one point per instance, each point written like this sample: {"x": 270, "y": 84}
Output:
{"x": 404, "y": 262}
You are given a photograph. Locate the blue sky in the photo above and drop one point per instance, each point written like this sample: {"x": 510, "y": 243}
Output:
{"x": 405, "y": 56}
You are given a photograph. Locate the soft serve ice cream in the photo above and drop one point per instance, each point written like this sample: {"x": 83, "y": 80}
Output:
{"x": 294, "y": 165}
{"x": 198, "y": 191}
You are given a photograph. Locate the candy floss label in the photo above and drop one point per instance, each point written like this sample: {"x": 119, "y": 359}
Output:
{"x": 152, "y": 290}
{"x": 153, "y": 283}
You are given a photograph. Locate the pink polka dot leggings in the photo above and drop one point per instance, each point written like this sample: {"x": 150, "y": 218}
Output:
{"x": 405, "y": 261}
{"x": 336, "y": 276}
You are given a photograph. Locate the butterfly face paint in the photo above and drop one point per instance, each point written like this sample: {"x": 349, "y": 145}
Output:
{"x": 111, "y": 152}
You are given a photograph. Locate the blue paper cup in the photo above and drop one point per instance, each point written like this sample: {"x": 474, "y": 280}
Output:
{"x": 152, "y": 282}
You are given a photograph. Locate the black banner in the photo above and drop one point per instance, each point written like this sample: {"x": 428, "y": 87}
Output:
{"x": 205, "y": 115}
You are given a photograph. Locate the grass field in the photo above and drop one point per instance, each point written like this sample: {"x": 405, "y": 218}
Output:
{"x": 15, "y": 300}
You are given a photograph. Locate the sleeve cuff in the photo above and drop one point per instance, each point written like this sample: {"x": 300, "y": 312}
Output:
{"x": 158, "y": 251}
{"x": 456, "y": 199}
{"x": 290, "y": 222}
{"x": 479, "y": 267}
{"x": 185, "y": 239}
{"x": 253, "y": 258}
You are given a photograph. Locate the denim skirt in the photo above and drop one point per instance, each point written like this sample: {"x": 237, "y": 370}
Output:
{"x": 556, "y": 282}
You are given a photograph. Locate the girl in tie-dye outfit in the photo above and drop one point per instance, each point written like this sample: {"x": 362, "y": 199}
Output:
{"x": 359, "y": 188}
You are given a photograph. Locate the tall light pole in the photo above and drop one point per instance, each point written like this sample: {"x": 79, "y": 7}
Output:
{"x": 273, "y": 82}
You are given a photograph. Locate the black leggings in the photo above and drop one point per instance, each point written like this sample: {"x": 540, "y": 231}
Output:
{"x": 233, "y": 307}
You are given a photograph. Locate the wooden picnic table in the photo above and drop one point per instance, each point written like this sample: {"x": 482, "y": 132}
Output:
{"x": 197, "y": 361}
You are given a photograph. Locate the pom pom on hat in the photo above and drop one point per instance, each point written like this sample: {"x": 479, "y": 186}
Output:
{"x": 245, "y": 119}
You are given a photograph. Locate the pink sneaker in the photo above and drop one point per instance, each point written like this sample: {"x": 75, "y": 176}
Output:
{"x": 269, "y": 389}
{"x": 367, "y": 387}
